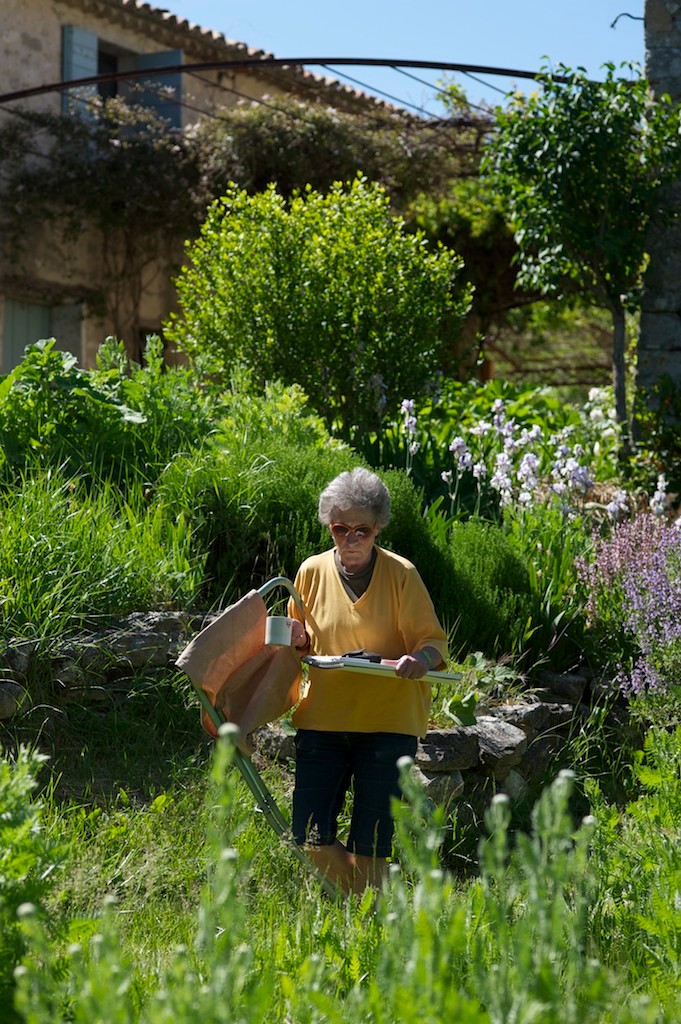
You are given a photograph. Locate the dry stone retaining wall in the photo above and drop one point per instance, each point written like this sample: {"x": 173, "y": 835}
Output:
{"x": 510, "y": 747}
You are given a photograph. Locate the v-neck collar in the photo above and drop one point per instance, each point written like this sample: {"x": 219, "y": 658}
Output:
{"x": 343, "y": 577}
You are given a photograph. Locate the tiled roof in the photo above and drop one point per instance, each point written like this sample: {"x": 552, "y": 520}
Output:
{"x": 329, "y": 88}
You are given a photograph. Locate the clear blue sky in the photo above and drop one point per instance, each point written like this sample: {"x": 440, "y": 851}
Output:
{"x": 523, "y": 35}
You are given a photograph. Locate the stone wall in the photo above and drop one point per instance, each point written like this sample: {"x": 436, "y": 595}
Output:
{"x": 513, "y": 747}
{"x": 659, "y": 347}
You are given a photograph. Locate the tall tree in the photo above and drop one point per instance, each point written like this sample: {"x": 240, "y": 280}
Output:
{"x": 581, "y": 166}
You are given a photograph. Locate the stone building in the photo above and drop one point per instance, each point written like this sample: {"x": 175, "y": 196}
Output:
{"x": 659, "y": 348}
{"x": 49, "y": 289}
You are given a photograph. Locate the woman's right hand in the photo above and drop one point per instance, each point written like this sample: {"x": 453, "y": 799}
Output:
{"x": 299, "y": 637}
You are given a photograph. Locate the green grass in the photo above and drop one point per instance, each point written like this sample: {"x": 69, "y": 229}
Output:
{"x": 70, "y": 557}
{"x": 174, "y": 901}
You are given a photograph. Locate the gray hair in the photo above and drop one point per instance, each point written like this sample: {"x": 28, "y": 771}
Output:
{"x": 358, "y": 489}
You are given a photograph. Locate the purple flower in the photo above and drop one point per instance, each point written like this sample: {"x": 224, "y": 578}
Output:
{"x": 408, "y": 421}
{"x": 528, "y": 437}
{"x": 498, "y": 413}
{"x": 527, "y": 471}
{"x": 633, "y": 587}
{"x": 501, "y": 478}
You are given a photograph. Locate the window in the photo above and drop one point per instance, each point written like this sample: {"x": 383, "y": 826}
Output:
{"x": 85, "y": 55}
{"x": 24, "y": 323}
{"x": 107, "y": 64}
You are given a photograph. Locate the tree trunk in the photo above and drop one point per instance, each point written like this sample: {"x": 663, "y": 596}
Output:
{"x": 619, "y": 372}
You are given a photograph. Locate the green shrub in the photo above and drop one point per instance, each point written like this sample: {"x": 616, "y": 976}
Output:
{"x": 253, "y": 510}
{"x": 327, "y": 291}
{"x": 495, "y": 607}
{"x": 479, "y": 584}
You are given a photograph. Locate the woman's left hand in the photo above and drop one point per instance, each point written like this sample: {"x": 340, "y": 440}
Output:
{"x": 410, "y": 667}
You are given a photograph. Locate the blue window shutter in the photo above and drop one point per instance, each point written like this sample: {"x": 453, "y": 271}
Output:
{"x": 24, "y": 324}
{"x": 155, "y": 92}
{"x": 79, "y": 60}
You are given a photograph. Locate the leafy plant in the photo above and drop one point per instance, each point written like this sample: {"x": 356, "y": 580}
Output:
{"x": 483, "y": 415}
{"x": 327, "y": 291}
{"x": 27, "y": 857}
{"x": 122, "y": 422}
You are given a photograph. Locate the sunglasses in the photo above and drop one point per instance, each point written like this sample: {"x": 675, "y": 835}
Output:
{"x": 341, "y": 530}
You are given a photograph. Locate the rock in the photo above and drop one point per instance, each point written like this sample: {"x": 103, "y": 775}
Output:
{"x": 69, "y": 674}
{"x": 89, "y": 694}
{"x": 564, "y": 685}
{"x": 502, "y": 746}
{"x": 137, "y": 650}
{"x": 542, "y": 757}
{"x": 274, "y": 743}
{"x": 172, "y": 625}
{"x": 478, "y": 790}
{"x": 536, "y": 719}
{"x": 18, "y": 657}
{"x": 515, "y": 786}
{"x": 605, "y": 690}
{"x": 12, "y": 698}
{"x": 441, "y": 787}
{"x": 446, "y": 750}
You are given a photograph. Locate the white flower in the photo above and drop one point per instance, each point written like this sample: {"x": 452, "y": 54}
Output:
{"x": 618, "y": 506}
{"x": 657, "y": 503}
{"x": 458, "y": 447}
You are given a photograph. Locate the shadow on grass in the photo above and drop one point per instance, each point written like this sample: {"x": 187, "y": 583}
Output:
{"x": 139, "y": 738}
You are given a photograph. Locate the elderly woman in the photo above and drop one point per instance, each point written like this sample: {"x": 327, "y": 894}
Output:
{"x": 352, "y": 727}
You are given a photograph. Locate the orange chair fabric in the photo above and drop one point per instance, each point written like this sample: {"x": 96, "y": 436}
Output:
{"x": 250, "y": 683}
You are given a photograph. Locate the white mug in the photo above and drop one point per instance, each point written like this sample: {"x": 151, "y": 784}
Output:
{"x": 278, "y": 631}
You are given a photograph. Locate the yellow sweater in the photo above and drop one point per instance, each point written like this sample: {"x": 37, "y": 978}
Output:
{"x": 395, "y": 616}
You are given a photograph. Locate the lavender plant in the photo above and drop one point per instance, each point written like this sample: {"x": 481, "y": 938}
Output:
{"x": 632, "y": 586}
